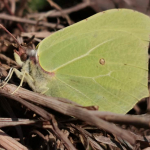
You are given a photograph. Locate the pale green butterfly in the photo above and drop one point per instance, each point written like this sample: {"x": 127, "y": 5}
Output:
{"x": 102, "y": 60}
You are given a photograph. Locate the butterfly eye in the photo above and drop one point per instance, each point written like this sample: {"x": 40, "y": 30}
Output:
{"x": 24, "y": 57}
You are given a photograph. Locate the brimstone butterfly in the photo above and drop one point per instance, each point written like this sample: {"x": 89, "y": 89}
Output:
{"x": 102, "y": 60}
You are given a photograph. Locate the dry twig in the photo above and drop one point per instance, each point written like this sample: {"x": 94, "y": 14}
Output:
{"x": 68, "y": 109}
{"x": 56, "y": 6}
{"x": 23, "y": 20}
{"x": 42, "y": 34}
{"x": 45, "y": 115}
{"x": 12, "y": 14}
{"x": 7, "y": 122}
{"x": 138, "y": 121}
{"x": 8, "y": 60}
{"x": 9, "y": 143}
{"x": 59, "y": 13}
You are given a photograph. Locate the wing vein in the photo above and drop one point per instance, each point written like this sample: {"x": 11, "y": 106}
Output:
{"x": 77, "y": 58}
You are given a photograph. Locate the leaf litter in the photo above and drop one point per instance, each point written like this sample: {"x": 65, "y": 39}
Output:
{"x": 34, "y": 121}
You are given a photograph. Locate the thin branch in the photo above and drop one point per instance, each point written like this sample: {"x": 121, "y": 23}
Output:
{"x": 21, "y": 7}
{"x": 9, "y": 143}
{"x": 64, "y": 11}
{"x": 1, "y": 26}
{"x": 21, "y": 49}
{"x": 7, "y": 122}
{"x": 41, "y": 34}
{"x": 87, "y": 136}
{"x": 68, "y": 109}
{"x": 57, "y": 7}
{"x": 23, "y": 20}
{"x": 42, "y": 113}
{"x": 8, "y": 60}
{"x": 10, "y": 12}
{"x": 139, "y": 121}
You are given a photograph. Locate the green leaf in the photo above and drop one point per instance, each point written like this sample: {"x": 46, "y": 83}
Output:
{"x": 37, "y": 4}
{"x": 102, "y": 60}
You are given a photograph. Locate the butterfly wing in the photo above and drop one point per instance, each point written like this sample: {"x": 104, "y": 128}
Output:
{"x": 100, "y": 61}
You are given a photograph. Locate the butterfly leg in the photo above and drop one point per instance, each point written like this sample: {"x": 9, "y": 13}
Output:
{"x": 11, "y": 71}
{"x": 22, "y": 79}
{"x": 44, "y": 90}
